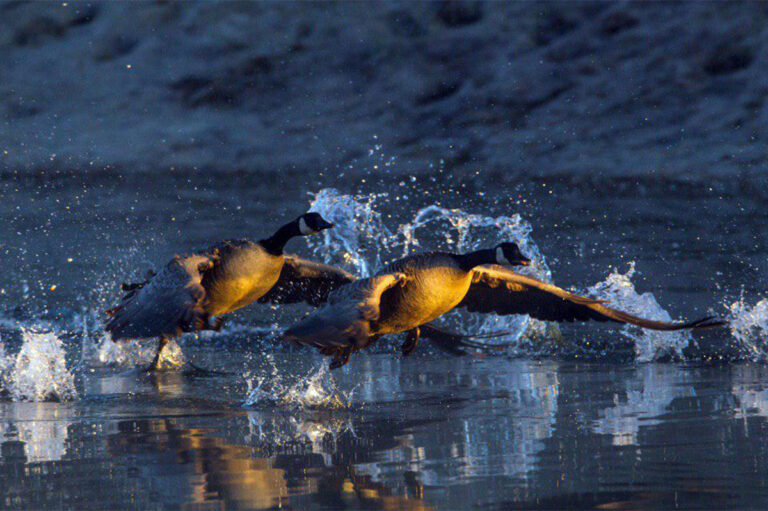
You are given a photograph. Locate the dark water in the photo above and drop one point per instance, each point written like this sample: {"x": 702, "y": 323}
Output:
{"x": 430, "y": 432}
{"x": 433, "y": 431}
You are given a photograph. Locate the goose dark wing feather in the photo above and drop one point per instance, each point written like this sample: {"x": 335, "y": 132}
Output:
{"x": 306, "y": 281}
{"x": 345, "y": 323}
{"x": 497, "y": 290}
{"x": 168, "y": 303}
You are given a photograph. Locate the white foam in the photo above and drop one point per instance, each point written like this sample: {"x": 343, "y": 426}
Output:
{"x": 5, "y": 366}
{"x": 359, "y": 237}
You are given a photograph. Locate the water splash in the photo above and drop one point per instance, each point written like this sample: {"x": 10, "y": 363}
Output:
{"x": 270, "y": 430}
{"x": 5, "y": 366}
{"x": 359, "y": 237}
{"x": 649, "y": 345}
{"x": 316, "y": 390}
{"x": 455, "y": 230}
{"x": 362, "y": 242}
{"x": 135, "y": 353}
{"x": 749, "y": 328}
{"x": 459, "y": 231}
{"x": 38, "y": 372}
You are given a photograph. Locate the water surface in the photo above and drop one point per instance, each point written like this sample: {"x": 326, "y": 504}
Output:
{"x": 588, "y": 416}
{"x": 429, "y": 432}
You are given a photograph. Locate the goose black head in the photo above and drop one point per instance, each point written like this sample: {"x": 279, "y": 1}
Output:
{"x": 312, "y": 223}
{"x": 509, "y": 254}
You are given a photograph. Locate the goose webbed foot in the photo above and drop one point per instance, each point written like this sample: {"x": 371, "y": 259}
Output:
{"x": 341, "y": 358}
{"x": 217, "y": 324}
{"x": 200, "y": 372}
{"x": 411, "y": 341}
{"x": 205, "y": 323}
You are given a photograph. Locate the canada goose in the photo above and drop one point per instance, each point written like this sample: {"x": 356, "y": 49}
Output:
{"x": 411, "y": 292}
{"x": 190, "y": 290}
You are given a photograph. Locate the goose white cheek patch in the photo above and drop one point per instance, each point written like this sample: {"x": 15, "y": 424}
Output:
{"x": 500, "y": 257}
{"x": 304, "y": 228}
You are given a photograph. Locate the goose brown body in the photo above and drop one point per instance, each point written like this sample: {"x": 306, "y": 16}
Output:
{"x": 435, "y": 284}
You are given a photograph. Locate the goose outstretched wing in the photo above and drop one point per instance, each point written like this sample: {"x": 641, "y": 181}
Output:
{"x": 501, "y": 291}
{"x": 306, "y": 281}
{"x": 168, "y": 303}
{"x": 345, "y": 323}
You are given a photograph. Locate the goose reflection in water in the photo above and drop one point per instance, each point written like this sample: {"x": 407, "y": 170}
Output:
{"x": 205, "y": 469}
{"x": 498, "y": 432}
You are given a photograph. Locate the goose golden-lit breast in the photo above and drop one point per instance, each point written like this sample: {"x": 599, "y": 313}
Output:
{"x": 244, "y": 274}
{"x": 436, "y": 285}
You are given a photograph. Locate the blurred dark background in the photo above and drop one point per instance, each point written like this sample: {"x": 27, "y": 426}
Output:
{"x": 585, "y": 90}
{"x": 622, "y": 131}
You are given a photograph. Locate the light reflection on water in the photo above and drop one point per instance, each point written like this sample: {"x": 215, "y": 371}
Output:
{"x": 429, "y": 432}
{"x": 643, "y": 402}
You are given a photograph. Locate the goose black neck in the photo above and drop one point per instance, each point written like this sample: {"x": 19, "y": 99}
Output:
{"x": 476, "y": 258}
{"x": 276, "y": 243}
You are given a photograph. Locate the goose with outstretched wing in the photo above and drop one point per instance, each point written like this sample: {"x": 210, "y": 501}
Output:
{"x": 501, "y": 291}
{"x": 413, "y": 291}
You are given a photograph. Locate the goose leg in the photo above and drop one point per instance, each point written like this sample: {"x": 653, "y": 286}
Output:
{"x": 192, "y": 369}
{"x": 411, "y": 341}
{"x": 155, "y": 364}
{"x": 341, "y": 358}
